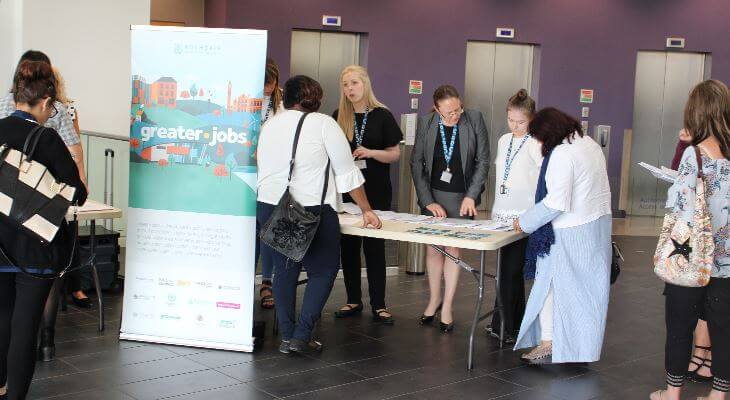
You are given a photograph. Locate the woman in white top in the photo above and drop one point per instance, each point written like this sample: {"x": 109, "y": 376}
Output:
{"x": 569, "y": 249}
{"x": 321, "y": 140}
{"x": 272, "y": 106}
{"x": 518, "y": 161}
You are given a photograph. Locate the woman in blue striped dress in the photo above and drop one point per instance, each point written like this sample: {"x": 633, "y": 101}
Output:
{"x": 569, "y": 250}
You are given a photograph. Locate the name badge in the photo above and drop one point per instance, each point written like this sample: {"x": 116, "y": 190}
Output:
{"x": 361, "y": 164}
{"x": 446, "y": 176}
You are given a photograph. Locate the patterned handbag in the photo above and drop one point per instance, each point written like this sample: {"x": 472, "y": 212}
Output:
{"x": 684, "y": 254}
{"x": 291, "y": 228}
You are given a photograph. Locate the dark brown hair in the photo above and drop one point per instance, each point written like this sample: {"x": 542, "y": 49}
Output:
{"x": 551, "y": 126}
{"x": 707, "y": 113}
{"x": 444, "y": 92}
{"x": 523, "y": 102}
{"x": 304, "y": 91}
{"x": 33, "y": 82}
{"x": 272, "y": 77}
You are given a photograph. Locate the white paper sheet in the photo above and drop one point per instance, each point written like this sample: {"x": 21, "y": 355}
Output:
{"x": 668, "y": 176}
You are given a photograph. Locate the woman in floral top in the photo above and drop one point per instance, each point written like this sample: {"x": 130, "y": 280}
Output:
{"x": 707, "y": 121}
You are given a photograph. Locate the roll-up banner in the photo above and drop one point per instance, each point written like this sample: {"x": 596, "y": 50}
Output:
{"x": 196, "y": 112}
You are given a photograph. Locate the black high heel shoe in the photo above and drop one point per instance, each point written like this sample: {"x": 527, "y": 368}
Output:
{"x": 428, "y": 319}
{"x": 446, "y": 328}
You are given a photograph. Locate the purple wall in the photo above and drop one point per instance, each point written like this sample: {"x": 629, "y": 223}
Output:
{"x": 584, "y": 44}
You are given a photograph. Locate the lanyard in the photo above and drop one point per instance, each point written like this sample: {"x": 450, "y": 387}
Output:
{"x": 360, "y": 134}
{"x": 508, "y": 161}
{"x": 269, "y": 109}
{"x": 448, "y": 153}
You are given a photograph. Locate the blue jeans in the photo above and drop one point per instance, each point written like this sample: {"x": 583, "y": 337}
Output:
{"x": 322, "y": 261}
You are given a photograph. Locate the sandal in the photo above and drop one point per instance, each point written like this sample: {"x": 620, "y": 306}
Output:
{"x": 383, "y": 316}
{"x": 267, "y": 296}
{"x": 348, "y": 310}
{"x": 694, "y": 374}
{"x": 658, "y": 395}
{"x": 542, "y": 354}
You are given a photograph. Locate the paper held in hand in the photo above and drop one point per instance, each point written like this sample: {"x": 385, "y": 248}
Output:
{"x": 663, "y": 173}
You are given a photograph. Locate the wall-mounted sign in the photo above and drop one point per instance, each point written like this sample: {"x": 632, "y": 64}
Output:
{"x": 586, "y": 95}
{"x": 415, "y": 87}
{"x": 331, "y": 20}
{"x": 506, "y": 33}
{"x": 675, "y": 42}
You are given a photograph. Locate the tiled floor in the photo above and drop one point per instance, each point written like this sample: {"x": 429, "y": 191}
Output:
{"x": 367, "y": 361}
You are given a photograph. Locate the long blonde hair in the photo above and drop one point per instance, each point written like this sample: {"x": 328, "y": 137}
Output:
{"x": 61, "y": 88}
{"x": 346, "y": 112}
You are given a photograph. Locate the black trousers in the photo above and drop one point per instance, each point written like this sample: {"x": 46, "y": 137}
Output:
{"x": 683, "y": 307}
{"x": 512, "y": 287}
{"x": 374, "y": 251}
{"x": 322, "y": 263}
{"x": 21, "y": 305}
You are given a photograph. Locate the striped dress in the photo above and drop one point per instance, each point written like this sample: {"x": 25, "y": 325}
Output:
{"x": 578, "y": 267}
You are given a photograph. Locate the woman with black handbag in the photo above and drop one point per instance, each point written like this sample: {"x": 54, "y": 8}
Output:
{"x": 297, "y": 199}
{"x": 22, "y": 296}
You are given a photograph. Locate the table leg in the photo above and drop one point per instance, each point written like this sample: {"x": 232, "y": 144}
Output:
{"x": 498, "y": 293}
{"x": 477, "y": 310}
{"x": 95, "y": 273}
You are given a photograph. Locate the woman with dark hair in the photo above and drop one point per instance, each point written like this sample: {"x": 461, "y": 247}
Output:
{"x": 449, "y": 164}
{"x": 22, "y": 297}
{"x": 273, "y": 105}
{"x": 569, "y": 248}
{"x": 321, "y": 142}
{"x": 707, "y": 123}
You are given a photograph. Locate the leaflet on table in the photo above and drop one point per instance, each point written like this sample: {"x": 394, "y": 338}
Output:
{"x": 663, "y": 173}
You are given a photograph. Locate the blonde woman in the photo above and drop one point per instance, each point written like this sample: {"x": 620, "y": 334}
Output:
{"x": 374, "y": 136}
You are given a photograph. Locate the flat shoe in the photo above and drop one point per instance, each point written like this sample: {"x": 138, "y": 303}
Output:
{"x": 380, "y": 316}
{"x": 302, "y": 347}
{"x": 348, "y": 311}
{"x": 542, "y": 354}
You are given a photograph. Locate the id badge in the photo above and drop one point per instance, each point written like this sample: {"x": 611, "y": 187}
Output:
{"x": 446, "y": 176}
{"x": 361, "y": 164}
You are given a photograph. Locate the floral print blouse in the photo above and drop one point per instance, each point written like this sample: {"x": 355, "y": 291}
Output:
{"x": 680, "y": 198}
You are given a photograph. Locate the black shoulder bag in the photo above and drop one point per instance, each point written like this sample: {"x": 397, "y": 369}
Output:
{"x": 291, "y": 228}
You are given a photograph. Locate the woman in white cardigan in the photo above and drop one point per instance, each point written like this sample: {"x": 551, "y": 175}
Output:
{"x": 569, "y": 249}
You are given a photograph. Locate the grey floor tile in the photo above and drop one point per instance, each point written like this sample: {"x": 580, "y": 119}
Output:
{"x": 290, "y": 385}
{"x": 177, "y": 385}
{"x": 271, "y": 368}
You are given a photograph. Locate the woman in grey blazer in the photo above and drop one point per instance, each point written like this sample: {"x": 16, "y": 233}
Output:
{"x": 449, "y": 164}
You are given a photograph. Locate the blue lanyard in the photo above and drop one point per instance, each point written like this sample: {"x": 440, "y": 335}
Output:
{"x": 360, "y": 134}
{"x": 508, "y": 161}
{"x": 448, "y": 153}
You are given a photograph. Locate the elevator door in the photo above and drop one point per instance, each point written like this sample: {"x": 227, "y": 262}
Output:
{"x": 494, "y": 72}
{"x": 322, "y": 56}
{"x": 662, "y": 85}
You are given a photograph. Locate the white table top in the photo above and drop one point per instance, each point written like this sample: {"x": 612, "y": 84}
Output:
{"x": 403, "y": 231}
{"x": 94, "y": 210}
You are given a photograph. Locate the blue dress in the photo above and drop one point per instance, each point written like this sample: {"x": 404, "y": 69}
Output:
{"x": 578, "y": 268}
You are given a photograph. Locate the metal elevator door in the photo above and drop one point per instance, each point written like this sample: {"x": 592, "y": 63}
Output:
{"x": 495, "y": 72}
{"x": 323, "y": 56}
{"x": 662, "y": 85}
